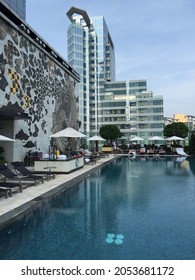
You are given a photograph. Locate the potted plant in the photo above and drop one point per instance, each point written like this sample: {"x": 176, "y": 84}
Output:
{"x": 2, "y": 159}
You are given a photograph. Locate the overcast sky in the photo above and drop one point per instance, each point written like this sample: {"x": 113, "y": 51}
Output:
{"x": 154, "y": 39}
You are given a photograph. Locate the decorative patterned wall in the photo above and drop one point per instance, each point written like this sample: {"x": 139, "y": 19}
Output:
{"x": 32, "y": 82}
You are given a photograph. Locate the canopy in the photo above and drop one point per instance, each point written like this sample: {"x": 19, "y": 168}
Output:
{"x": 96, "y": 138}
{"x": 68, "y": 132}
{"x": 4, "y": 138}
{"x": 156, "y": 138}
{"x": 136, "y": 138}
{"x": 174, "y": 138}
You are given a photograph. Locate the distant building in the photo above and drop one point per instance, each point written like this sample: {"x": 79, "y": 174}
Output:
{"x": 132, "y": 108}
{"x": 168, "y": 120}
{"x": 19, "y": 6}
{"x": 189, "y": 120}
{"x": 102, "y": 100}
{"x": 179, "y": 118}
{"x": 91, "y": 53}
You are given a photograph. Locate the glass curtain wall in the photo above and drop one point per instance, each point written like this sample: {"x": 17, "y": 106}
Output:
{"x": 19, "y": 6}
{"x": 76, "y": 41}
{"x": 91, "y": 53}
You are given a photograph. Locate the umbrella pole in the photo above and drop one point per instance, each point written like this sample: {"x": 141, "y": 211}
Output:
{"x": 68, "y": 147}
{"x": 96, "y": 143}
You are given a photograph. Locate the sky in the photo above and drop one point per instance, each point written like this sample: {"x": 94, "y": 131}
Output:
{"x": 154, "y": 40}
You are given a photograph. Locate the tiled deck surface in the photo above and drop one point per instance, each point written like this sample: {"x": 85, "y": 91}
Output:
{"x": 20, "y": 201}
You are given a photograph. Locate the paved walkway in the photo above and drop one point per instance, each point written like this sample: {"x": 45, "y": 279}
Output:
{"x": 19, "y": 202}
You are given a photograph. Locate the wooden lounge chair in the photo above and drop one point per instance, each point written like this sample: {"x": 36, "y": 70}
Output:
{"x": 162, "y": 151}
{"x": 142, "y": 151}
{"x": 20, "y": 167}
{"x": 150, "y": 151}
{"x": 8, "y": 174}
{"x": 90, "y": 160}
{"x": 7, "y": 188}
{"x": 21, "y": 170}
{"x": 5, "y": 192}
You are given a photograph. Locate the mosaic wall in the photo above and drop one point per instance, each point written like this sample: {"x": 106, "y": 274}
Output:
{"x": 32, "y": 82}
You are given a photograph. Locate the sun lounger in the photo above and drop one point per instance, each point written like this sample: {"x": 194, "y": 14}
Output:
{"x": 180, "y": 151}
{"x": 8, "y": 174}
{"x": 20, "y": 167}
{"x": 142, "y": 151}
{"x": 5, "y": 192}
{"x": 150, "y": 151}
{"x": 161, "y": 151}
{"x": 90, "y": 160}
{"x": 8, "y": 188}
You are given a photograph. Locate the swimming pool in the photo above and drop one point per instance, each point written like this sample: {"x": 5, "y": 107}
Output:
{"x": 129, "y": 209}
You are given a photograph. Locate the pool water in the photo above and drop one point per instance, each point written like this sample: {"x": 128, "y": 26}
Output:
{"x": 129, "y": 209}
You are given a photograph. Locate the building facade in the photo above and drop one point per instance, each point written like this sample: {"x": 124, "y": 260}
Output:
{"x": 102, "y": 100}
{"x": 136, "y": 111}
{"x": 18, "y": 6}
{"x": 37, "y": 89}
{"x": 91, "y": 53}
{"x": 189, "y": 120}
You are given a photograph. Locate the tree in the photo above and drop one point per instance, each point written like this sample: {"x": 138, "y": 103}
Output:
{"x": 110, "y": 132}
{"x": 192, "y": 144}
{"x": 177, "y": 128}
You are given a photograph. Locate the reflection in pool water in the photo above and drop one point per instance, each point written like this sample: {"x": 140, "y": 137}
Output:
{"x": 129, "y": 209}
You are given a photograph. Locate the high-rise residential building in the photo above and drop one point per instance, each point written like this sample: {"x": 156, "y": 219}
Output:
{"x": 136, "y": 111}
{"x": 102, "y": 99}
{"x": 19, "y": 6}
{"x": 91, "y": 53}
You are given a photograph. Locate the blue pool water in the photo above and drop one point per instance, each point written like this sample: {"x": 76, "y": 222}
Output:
{"x": 129, "y": 209}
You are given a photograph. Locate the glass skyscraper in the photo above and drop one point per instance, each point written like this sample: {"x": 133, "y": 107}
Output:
{"x": 91, "y": 53}
{"x": 102, "y": 99}
{"x": 19, "y": 6}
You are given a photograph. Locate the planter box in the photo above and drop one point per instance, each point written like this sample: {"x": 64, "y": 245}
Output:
{"x": 107, "y": 149}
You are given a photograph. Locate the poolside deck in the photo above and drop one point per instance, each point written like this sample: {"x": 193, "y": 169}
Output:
{"x": 31, "y": 196}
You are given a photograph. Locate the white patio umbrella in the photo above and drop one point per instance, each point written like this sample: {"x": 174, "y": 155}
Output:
{"x": 136, "y": 138}
{"x": 68, "y": 132}
{"x": 96, "y": 138}
{"x": 4, "y": 138}
{"x": 174, "y": 138}
{"x": 156, "y": 138}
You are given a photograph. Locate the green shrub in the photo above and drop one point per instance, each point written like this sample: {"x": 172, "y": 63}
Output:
{"x": 123, "y": 147}
{"x": 2, "y": 159}
{"x": 192, "y": 144}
